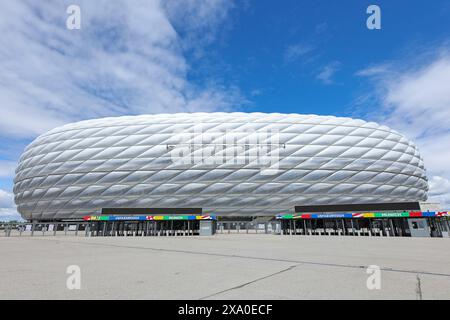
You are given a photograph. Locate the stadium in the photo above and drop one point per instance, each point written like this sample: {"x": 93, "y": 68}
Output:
{"x": 305, "y": 172}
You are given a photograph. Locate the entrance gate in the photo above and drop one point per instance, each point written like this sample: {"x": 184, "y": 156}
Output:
{"x": 143, "y": 228}
{"x": 386, "y": 227}
{"x": 247, "y": 227}
{"x": 397, "y": 227}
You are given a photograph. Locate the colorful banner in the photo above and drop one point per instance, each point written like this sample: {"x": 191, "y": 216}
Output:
{"x": 146, "y": 218}
{"x": 370, "y": 215}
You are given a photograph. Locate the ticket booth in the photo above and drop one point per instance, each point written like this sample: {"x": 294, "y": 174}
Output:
{"x": 419, "y": 228}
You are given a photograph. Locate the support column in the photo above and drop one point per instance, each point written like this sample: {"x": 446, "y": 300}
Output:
{"x": 33, "y": 226}
{"x": 394, "y": 233}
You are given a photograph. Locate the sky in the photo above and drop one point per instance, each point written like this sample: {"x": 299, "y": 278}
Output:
{"x": 292, "y": 56}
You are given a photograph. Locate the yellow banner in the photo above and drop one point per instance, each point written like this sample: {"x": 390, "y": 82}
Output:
{"x": 369, "y": 215}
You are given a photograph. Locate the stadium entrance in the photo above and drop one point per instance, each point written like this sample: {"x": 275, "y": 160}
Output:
{"x": 119, "y": 226}
{"x": 378, "y": 224}
{"x": 144, "y": 228}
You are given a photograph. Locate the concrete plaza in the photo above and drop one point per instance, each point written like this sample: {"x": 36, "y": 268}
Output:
{"x": 226, "y": 266}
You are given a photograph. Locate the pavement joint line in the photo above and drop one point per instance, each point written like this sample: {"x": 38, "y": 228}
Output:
{"x": 251, "y": 282}
{"x": 299, "y": 262}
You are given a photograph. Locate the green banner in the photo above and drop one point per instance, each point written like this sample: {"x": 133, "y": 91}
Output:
{"x": 391, "y": 214}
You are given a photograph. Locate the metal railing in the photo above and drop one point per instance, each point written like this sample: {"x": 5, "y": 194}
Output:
{"x": 44, "y": 229}
{"x": 98, "y": 229}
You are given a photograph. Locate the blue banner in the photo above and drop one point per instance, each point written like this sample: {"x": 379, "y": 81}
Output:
{"x": 331, "y": 216}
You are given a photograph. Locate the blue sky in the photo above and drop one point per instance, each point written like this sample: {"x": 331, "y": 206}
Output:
{"x": 134, "y": 57}
{"x": 278, "y": 51}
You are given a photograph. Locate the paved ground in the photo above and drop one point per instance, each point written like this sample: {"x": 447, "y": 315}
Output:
{"x": 224, "y": 267}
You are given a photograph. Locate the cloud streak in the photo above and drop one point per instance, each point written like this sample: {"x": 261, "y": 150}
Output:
{"x": 297, "y": 52}
{"x": 327, "y": 72}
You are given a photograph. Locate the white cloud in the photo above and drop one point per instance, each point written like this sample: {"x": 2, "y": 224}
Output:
{"x": 440, "y": 186}
{"x": 198, "y": 20}
{"x": 7, "y": 168}
{"x": 127, "y": 59}
{"x": 297, "y": 51}
{"x": 327, "y": 72}
{"x": 7, "y": 207}
{"x": 10, "y": 215}
{"x": 415, "y": 99}
{"x": 422, "y": 92}
{"x": 256, "y": 92}
{"x": 439, "y": 191}
{"x": 6, "y": 199}
{"x": 373, "y": 71}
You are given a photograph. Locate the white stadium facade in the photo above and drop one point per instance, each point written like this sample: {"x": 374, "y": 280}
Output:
{"x": 228, "y": 165}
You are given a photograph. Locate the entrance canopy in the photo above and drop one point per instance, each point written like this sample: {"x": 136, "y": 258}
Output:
{"x": 147, "y": 218}
{"x": 348, "y": 215}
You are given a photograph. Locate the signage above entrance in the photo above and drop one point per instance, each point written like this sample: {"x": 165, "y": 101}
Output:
{"x": 346, "y": 215}
{"x": 147, "y": 218}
